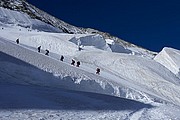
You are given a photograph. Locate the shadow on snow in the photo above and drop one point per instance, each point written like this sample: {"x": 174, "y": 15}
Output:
{"x": 16, "y": 92}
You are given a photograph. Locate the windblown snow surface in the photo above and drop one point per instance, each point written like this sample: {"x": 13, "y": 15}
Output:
{"x": 39, "y": 87}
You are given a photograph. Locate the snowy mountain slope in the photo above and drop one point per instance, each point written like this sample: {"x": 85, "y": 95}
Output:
{"x": 137, "y": 70}
{"x": 57, "y": 42}
{"x": 35, "y": 13}
{"x": 26, "y": 87}
{"x": 39, "y": 94}
{"x": 170, "y": 58}
{"x": 131, "y": 84}
{"x": 32, "y": 101}
{"x": 123, "y": 71}
{"x": 70, "y": 77}
{"x": 24, "y": 76}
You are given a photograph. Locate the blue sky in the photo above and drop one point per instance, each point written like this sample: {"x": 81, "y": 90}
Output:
{"x": 152, "y": 24}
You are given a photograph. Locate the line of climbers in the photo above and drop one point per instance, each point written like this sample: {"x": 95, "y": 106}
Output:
{"x": 47, "y": 51}
{"x": 62, "y": 58}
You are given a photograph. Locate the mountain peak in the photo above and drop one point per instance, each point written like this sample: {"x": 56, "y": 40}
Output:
{"x": 35, "y": 13}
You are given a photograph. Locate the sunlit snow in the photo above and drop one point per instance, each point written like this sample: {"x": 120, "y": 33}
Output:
{"x": 131, "y": 85}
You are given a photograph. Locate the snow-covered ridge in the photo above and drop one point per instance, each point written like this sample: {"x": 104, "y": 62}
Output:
{"x": 170, "y": 58}
{"x": 14, "y": 18}
{"x": 35, "y": 13}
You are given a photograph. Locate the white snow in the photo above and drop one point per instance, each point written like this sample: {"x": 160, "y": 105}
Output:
{"x": 170, "y": 58}
{"x": 35, "y": 86}
{"x": 14, "y": 18}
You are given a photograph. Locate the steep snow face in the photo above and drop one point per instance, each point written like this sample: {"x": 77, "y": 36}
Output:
{"x": 25, "y": 90}
{"x": 14, "y": 18}
{"x": 153, "y": 77}
{"x": 50, "y": 85}
{"x": 30, "y": 82}
{"x": 35, "y": 13}
{"x": 42, "y": 87}
{"x": 96, "y": 41}
{"x": 23, "y": 66}
{"x": 138, "y": 70}
{"x": 117, "y": 47}
{"x": 170, "y": 58}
